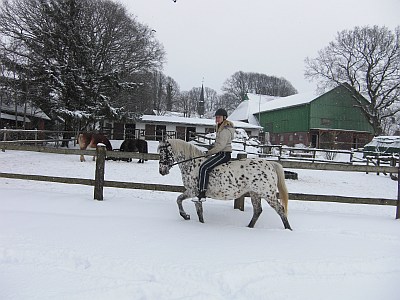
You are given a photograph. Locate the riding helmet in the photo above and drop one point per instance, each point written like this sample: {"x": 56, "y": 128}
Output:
{"x": 221, "y": 112}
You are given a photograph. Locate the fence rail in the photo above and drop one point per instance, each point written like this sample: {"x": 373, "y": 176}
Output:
{"x": 99, "y": 177}
{"x": 180, "y": 189}
{"x": 283, "y": 152}
{"x": 280, "y": 152}
{"x": 290, "y": 164}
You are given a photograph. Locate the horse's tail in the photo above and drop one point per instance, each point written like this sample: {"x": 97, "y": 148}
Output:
{"x": 145, "y": 147}
{"x": 81, "y": 141}
{"x": 108, "y": 144}
{"x": 283, "y": 192}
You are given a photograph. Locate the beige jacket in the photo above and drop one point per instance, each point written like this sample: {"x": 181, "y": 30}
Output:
{"x": 224, "y": 137}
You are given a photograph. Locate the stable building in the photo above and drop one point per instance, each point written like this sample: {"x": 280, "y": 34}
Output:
{"x": 332, "y": 120}
{"x": 22, "y": 116}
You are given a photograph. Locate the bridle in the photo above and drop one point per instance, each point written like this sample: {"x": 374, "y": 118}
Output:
{"x": 169, "y": 159}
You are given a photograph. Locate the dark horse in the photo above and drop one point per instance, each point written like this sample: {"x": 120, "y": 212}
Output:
{"x": 91, "y": 140}
{"x": 134, "y": 145}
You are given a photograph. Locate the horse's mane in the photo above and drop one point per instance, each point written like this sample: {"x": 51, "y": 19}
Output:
{"x": 187, "y": 149}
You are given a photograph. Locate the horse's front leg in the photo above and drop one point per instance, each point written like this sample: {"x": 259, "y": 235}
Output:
{"x": 257, "y": 209}
{"x": 179, "y": 201}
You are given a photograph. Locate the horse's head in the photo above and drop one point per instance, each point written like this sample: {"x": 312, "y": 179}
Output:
{"x": 166, "y": 157}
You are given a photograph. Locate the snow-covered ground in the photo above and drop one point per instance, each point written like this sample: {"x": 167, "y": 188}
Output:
{"x": 56, "y": 242}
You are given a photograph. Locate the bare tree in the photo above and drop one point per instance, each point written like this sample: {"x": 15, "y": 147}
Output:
{"x": 241, "y": 83}
{"x": 211, "y": 101}
{"x": 368, "y": 59}
{"x": 228, "y": 101}
{"x": 184, "y": 104}
{"x": 172, "y": 92}
{"x": 188, "y": 102}
{"x": 165, "y": 92}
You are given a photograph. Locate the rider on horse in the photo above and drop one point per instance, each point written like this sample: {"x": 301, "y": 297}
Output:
{"x": 221, "y": 151}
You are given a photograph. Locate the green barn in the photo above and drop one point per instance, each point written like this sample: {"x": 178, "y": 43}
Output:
{"x": 331, "y": 120}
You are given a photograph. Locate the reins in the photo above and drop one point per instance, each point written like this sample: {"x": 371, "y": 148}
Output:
{"x": 189, "y": 159}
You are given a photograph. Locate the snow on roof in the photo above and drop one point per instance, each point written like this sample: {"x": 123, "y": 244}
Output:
{"x": 30, "y": 110}
{"x": 192, "y": 121}
{"x": 289, "y": 101}
{"x": 384, "y": 140}
{"x": 5, "y": 116}
{"x": 247, "y": 108}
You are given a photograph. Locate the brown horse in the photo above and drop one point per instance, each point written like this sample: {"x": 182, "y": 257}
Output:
{"x": 91, "y": 140}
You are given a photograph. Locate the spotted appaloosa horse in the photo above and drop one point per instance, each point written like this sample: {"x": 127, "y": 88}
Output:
{"x": 258, "y": 177}
{"x": 134, "y": 145}
{"x": 91, "y": 140}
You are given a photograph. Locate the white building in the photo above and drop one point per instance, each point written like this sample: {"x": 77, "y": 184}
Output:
{"x": 151, "y": 127}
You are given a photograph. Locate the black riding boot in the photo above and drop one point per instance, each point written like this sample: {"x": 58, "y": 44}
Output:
{"x": 201, "y": 197}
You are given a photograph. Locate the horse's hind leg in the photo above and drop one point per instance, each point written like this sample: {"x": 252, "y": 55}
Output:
{"x": 82, "y": 147}
{"x": 199, "y": 209}
{"x": 179, "y": 201}
{"x": 257, "y": 209}
{"x": 275, "y": 204}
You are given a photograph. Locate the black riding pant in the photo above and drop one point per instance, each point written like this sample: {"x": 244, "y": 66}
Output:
{"x": 208, "y": 165}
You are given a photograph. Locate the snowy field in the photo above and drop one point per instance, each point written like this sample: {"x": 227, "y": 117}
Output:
{"x": 56, "y": 242}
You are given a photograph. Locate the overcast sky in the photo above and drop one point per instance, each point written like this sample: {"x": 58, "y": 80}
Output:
{"x": 213, "y": 39}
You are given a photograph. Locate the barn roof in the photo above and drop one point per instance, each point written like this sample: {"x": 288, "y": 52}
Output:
{"x": 301, "y": 99}
{"x": 244, "y": 112}
{"x": 289, "y": 101}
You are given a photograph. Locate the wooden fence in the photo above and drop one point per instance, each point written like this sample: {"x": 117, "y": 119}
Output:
{"x": 99, "y": 181}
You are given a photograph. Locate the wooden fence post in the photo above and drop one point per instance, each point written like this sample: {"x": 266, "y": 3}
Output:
{"x": 398, "y": 194}
{"x": 36, "y": 136}
{"x": 239, "y": 202}
{"x": 99, "y": 174}
{"x": 4, "y": 139}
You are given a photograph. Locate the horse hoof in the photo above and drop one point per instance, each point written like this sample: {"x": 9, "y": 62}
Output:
{"x": 185, "y": 216}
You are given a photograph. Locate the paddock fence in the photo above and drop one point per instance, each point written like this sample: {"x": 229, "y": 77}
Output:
{"x": 10, "y": 137}
{"x": 99, "y": 183}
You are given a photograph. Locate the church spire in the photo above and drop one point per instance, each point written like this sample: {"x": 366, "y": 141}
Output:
{"x": 200, "y": 105}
